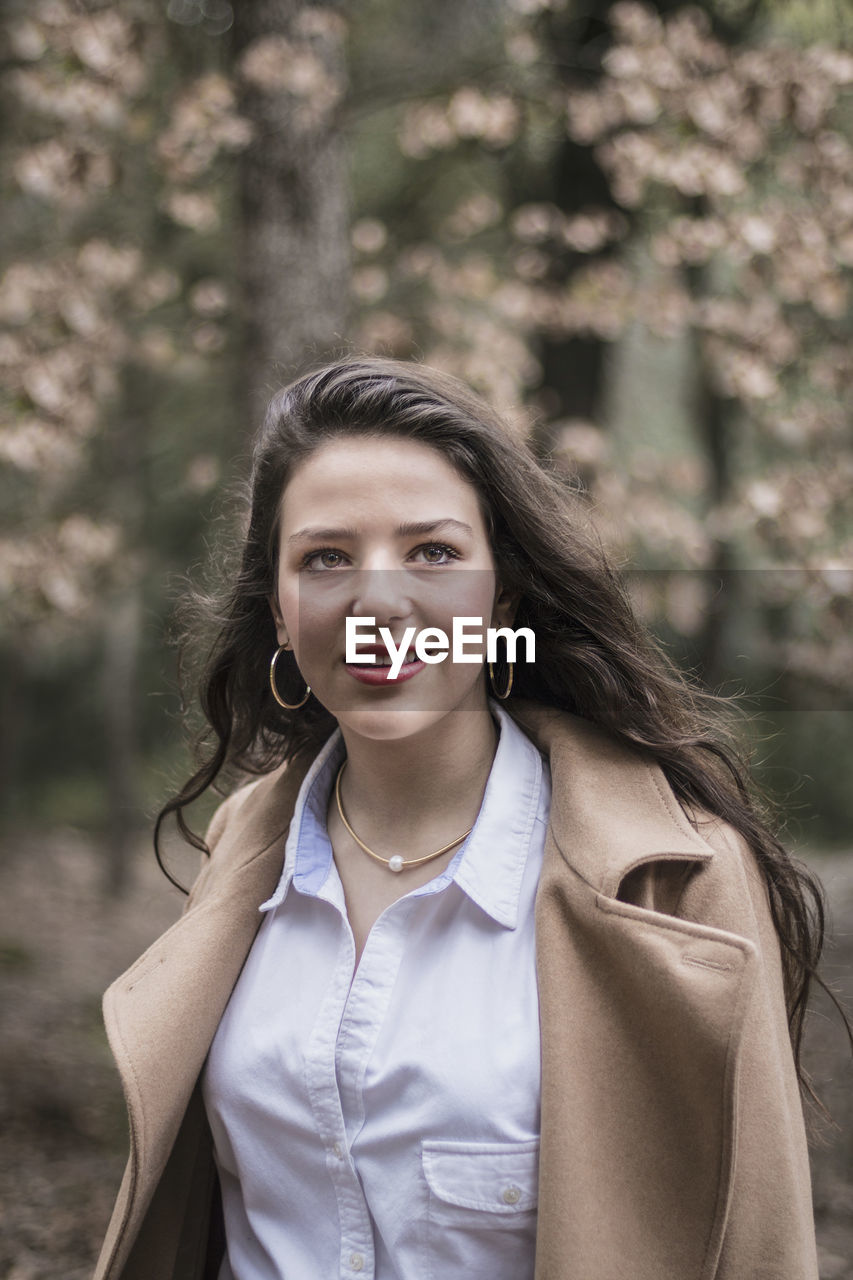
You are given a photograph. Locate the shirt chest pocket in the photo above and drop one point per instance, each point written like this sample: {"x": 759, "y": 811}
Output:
{"x": 482, "y": 1208}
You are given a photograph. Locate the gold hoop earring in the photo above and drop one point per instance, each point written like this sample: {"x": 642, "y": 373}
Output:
{"x": 502, "y": 696}
{"x": 288, "y": 706}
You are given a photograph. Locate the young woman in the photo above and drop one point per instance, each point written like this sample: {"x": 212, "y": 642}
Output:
{"x": 494, "y": 970}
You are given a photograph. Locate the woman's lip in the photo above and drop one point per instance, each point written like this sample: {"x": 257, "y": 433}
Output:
{"x": 382, "y": 675}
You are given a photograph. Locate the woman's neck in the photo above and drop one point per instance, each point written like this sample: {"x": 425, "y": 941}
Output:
{"x": 432, "y": 782}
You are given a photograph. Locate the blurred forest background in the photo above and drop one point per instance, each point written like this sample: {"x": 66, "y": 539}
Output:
{"x": 629, "y": 225}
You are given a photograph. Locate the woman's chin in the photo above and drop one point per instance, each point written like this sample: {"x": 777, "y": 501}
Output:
{"x": 405, "y": 714}
{"x": 388, "y": 724}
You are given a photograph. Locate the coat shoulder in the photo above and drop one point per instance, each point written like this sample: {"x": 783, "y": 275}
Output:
{"x": 226, "y": 811}
{"x": 223, "y": 853}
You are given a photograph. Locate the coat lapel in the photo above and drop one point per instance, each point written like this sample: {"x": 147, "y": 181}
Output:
{"x": 642, "y": 1012}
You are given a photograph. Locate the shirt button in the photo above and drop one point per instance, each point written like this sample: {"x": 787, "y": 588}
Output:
{"x": 338, "y": 1150}
{"x": 511, "y": 1195}
{"x": 356, "y": 1261}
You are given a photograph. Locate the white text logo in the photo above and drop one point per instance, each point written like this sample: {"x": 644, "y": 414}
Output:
{"x": 432, "y": 644}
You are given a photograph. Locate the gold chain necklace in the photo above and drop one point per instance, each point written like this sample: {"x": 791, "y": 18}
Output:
{"x": 396, "y": 861}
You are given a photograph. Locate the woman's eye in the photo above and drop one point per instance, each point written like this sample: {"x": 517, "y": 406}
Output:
{"x": 437, "y": 553}
{"x": 324, "y": 559}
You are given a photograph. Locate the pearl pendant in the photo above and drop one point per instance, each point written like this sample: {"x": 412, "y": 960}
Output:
{"x": 395, "y": 863}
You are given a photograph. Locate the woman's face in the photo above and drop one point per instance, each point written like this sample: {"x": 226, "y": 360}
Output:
{"x": 385, "y": 528}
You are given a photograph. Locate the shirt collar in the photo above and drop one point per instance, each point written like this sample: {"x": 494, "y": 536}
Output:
{"x": 307, "y": 851}
{"x": 489, "y": 865}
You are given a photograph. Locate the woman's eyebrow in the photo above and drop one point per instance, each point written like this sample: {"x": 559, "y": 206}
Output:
{"x": 419, "y": 528}
{"x": 317, "y": 532}
{"x": 412, "y": 529}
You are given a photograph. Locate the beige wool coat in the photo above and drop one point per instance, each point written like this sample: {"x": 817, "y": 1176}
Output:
{"x": 672, "y": 1143}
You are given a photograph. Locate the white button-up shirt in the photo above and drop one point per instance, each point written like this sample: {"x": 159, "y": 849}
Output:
{"x": 386, "y": 1124}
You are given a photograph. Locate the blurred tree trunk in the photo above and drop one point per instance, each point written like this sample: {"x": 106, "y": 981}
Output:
{"x": 121, "y": 730}
{"x": 712, "y": 415}
{"x": 294, "y": 191}
{"x": 125, "y": 460}
{"x": 13, "y": 713}
{"x": 575, "y": 367}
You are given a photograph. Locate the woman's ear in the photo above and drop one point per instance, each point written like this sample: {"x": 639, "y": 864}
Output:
{"x": 280, "y": 628}
{"x": 504, "y": 608}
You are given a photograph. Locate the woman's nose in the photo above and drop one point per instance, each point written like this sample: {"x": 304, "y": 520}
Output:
{"x": 383, "y": 594}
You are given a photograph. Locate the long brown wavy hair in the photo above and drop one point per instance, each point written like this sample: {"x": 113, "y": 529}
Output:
{"x": 594, "y": 658}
